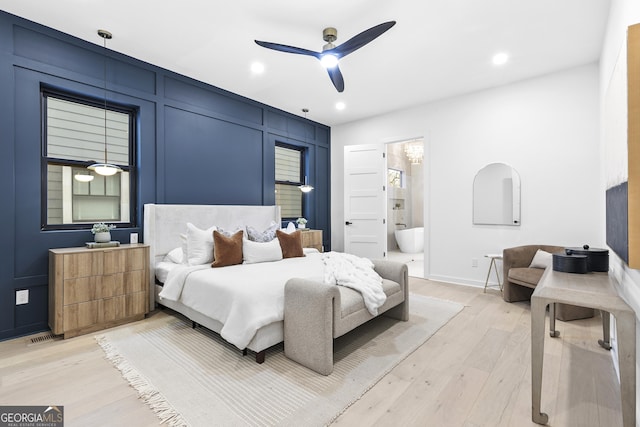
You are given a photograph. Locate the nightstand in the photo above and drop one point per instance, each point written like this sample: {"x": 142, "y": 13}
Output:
{"x": 312, "y": 239}
{"x": 93, "y": 289}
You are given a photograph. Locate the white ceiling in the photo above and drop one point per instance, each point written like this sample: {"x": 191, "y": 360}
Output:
{"x": 437, "y": 49}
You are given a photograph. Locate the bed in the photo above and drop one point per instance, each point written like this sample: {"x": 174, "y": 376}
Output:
{"x": 245, "y": 303}
{"x": 163, "y": 225}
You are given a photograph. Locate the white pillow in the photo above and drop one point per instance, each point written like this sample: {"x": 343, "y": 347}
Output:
{"x": 541, "y": 259}
{"x": 199, "y": 245}
{"x": 175, "y": 256}
{"x": 290, "y": 228}
{"x": 253, "y": 252}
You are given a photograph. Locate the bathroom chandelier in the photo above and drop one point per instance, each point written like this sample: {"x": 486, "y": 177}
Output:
{"x": 105, "y": 169}
{"x": 414, "y": 152}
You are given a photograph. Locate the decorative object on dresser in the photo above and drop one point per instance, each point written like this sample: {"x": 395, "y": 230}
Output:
{"x": 93, "y": 289}
{"x": 312, "y": 239}
{"x": 569, "y": 263}
{"x": 581, "y": 260}
{"x": 102, "y": 232}
{"x": 302, "y": 222}
{"x": 597, "y": 259}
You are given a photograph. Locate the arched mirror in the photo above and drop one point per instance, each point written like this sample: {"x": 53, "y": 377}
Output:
{"x": 496, "y": 195}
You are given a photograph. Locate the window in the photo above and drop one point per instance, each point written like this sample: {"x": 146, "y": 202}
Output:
{"x": 289, "y": 173}
{"x": 73, "y": 138}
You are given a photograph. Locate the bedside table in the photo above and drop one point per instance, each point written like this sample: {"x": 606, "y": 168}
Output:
{"x": 312, "y": 239}
{"x": 93, "y": 289}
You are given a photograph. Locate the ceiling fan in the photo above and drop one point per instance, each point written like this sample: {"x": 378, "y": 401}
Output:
{"x": 331, "y": 54}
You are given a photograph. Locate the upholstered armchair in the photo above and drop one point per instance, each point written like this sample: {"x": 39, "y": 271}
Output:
{"x": 520, "y": 280}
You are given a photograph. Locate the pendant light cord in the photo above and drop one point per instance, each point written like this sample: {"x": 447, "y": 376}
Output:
{"x": 105, "y": 35}
{"x": 105, "y": 98}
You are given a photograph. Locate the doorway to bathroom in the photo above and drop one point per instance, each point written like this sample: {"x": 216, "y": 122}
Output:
{"x": 405, "y": 204}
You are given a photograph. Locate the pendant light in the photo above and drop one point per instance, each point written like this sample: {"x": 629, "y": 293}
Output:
{"x": 306, "y": 187}
{"x": 105, "y": 169}
{"x": 83, "y": 177}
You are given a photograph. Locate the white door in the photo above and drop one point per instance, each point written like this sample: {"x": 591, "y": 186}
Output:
{"x": 365, "y": 202}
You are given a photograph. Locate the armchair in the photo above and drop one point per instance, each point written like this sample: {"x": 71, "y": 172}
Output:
{"x": 520, "y": 280}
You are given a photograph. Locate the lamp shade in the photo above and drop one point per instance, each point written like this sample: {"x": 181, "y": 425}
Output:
{"x": 104, "y": 169}
{"x": 83, "y": 177}
{"x": 305, "y": 188}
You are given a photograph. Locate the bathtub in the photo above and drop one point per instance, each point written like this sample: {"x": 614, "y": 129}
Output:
{"x": 410, "y": 240}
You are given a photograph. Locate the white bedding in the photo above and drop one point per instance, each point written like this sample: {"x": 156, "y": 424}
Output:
{"x": 163, "y": 268}
{"x": 246, "y": 297}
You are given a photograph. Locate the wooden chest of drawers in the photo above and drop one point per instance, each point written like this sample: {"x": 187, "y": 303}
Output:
{"x": 93, "y": 289}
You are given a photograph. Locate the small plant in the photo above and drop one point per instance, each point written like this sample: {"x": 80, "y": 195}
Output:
{"x": 302, "y": 221}
{"x": 101, "y": 227}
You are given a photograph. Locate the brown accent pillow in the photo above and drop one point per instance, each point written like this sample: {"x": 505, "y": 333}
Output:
{"x": 227, "y": 250}
{"x": 291, "y": 244}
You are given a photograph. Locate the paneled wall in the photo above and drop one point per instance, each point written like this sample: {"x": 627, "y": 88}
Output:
{"x": 196, "y": 144}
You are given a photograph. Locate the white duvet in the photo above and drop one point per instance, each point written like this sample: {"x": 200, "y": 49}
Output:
{"x": 246, "y": 297}
{"x": 243, "y": 297}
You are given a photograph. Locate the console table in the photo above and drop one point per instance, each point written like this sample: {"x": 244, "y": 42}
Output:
{"x": 593, "y": 290}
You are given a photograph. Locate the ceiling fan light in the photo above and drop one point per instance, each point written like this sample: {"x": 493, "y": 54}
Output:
{"x": 329, "y": 60}
{"x": 104, "y": 169}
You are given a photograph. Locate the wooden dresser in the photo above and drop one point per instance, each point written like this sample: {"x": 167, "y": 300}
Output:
{"x": 93, "y": 289}
{"x": 312, "y": 239}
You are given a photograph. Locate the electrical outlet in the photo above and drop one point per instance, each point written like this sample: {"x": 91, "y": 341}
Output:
{"x": 474, "y": 262}
{"x": 22, "y": 297}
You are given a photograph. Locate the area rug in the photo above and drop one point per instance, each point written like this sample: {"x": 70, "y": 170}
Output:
{"x": 194, "y": 378}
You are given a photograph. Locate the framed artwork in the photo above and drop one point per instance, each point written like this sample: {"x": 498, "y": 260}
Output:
{"x": 622, "y": 152}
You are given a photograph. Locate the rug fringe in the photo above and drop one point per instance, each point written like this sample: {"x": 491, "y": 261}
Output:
{"x": 146, "y": 392}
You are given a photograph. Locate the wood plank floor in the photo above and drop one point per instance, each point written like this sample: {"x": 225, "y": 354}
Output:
{"x": 475, "y": 371}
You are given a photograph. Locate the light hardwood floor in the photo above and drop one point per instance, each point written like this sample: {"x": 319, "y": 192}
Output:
{"x": 475, "y": 371}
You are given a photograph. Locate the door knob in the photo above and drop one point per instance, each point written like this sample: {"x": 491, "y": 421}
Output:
{"x": 348, "y": 223}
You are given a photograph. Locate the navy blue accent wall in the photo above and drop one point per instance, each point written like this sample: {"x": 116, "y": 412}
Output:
{"x": 197, "y": 144}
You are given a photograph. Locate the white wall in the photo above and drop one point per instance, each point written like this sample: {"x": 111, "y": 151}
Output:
{"x": 546, "y": 128}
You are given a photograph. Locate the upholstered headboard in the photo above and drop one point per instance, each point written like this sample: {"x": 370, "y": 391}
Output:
{"x": 163, "y": 225}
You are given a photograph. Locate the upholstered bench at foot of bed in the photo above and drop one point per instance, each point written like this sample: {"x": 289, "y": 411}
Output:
{"x": 315, "y": 313}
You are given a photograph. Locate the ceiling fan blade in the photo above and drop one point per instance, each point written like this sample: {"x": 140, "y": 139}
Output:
{"x": 356, "y": 42}
{"x": 288, "y": 49}
{"x": 336, "y": 78}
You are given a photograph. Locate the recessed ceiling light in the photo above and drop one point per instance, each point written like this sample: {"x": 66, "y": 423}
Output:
{"x": 340, "y": 105}
{"x": 500, "y": 58}
{"x": 257, "y": 68}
